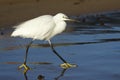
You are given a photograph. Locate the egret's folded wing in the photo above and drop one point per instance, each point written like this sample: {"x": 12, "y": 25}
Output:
{"x": 39, "y": 27}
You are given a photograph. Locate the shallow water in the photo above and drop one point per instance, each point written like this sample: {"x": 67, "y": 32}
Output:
{"x": 94, "y": 47}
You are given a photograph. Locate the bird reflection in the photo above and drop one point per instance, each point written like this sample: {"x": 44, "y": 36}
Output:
{"x": 41, "y": 77}
{"x": 61, "y": 74}
{"x": 25, "y": 75}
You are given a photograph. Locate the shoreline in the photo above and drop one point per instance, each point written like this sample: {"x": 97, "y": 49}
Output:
{"x": 16, "y": 11}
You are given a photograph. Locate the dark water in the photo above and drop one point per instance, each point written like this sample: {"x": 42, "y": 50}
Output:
{"x": 93, "y": 44}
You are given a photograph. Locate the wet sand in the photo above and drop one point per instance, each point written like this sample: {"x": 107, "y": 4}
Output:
{"x": 95, "y": 48}
{"x": 16, "y": 11}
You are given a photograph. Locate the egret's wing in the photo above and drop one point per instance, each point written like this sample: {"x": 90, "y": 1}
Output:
{"x": 39, "y": 27}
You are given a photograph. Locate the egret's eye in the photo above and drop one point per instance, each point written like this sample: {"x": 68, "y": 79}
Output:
{"x": 65, "y": 17}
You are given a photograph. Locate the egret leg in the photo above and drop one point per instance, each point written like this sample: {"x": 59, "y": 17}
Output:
{"x": 65, "y": 65}
{"x": 25, "y": 59}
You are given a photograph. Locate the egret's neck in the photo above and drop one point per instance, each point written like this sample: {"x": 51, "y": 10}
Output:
{"x": 60, "y": 27}
{"x": 60, "y": 24}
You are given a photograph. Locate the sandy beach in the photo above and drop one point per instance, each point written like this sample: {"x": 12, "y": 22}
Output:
{"x": 15, "y": 11}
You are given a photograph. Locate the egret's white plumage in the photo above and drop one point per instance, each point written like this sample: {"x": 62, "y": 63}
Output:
{"x": 42, "y": 28}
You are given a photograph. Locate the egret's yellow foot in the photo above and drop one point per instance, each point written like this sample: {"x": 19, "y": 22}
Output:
{"x": 26, "y": 68}
{"x": 67, "y": 65}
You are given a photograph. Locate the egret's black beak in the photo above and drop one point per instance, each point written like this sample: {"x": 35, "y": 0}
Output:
{"x": 67, "y": 19}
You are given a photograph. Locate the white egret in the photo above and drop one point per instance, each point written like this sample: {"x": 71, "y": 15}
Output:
{"x": 42, "y": 28}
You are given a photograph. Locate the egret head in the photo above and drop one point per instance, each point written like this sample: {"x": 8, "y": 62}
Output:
{"x": 60, "y": 17}
{"x": 63, "y": 17}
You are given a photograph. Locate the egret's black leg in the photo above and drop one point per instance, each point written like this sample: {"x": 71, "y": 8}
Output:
{"x": 56, "y": 52}
{"x": 26, "y": 68}
{"x": 65, "y": 65}
{"x": 27, "y": 48}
